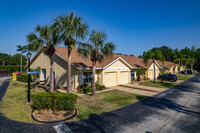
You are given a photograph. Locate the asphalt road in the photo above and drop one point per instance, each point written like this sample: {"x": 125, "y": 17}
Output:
{"x": 10, "y": 126}
{"x": 176, "y": 110}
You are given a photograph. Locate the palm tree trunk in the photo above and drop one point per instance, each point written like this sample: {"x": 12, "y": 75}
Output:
{"x": 93, "y": 78}
{"x": 191, "y": 66}
{"x": 21, "y": 61}
{"x": 69, "y": 71}
{"x": 51, "y": 75}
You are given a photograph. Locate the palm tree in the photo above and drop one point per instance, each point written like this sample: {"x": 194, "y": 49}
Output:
{"x": 45, "y": 38}
{"x": 21, "y": 49}
{"x": 179, "y": 58}
{"x": 146, "y": 57}
{"x": 186, "y": 61}
{"x": 96, "y": 49}
{"x": 157, "y": 54}
{"x": 191, "y": 62}
{"x": 70, "y": 28}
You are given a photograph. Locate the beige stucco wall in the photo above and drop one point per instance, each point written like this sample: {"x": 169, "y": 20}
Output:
{"x": 150, "y": 72}
{"x": 60, "y": 68}
{"x": 176, "y": 70}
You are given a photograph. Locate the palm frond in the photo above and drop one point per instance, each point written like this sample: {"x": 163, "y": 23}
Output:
{"x": 70, "y": 28}
{"x": 108, "y": 49}
{"x": 84, "y": 49}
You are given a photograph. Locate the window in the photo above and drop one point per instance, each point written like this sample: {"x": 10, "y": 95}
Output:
{"x": 133, "y": 74}
{"x": 87, "y": 77}
{"x": 43, "y": 74}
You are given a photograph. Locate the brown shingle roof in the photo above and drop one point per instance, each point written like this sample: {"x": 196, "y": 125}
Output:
{"x": 81, "y": 62}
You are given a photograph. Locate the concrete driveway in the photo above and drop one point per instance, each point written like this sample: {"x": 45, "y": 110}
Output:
{"x": 175, "y": 110}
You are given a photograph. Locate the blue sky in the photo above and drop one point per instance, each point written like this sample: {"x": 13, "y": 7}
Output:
{"x": 133, "y": 25}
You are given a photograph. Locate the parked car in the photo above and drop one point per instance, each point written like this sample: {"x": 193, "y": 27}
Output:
{"x": 169, "y": 77}
{"x": 189, "y": 71}
{"x": 194, "y": 71}
{"x": 183, "y": 72}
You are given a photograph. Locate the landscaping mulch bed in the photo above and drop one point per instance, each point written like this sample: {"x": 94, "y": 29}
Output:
{"x": 48, "y": 115}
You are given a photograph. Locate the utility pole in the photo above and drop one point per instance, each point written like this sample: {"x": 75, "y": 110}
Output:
{"x": 179, "y": 65}
{"x": 154, "y": 69}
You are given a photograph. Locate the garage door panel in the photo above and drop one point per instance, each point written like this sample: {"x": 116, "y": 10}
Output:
{"x": 110, "y": 79}
{"x": 123, "y": 77}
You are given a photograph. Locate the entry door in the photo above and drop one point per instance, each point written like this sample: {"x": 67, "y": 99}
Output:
{"x": 43, "y": 74}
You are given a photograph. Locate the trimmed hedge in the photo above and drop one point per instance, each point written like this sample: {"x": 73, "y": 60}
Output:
{"x": 63, "y": 101}
{"x": 22, "y": 77}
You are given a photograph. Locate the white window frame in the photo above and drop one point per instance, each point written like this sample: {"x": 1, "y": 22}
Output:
{"x": 134, "y": 74}
{"x": 83, "y": 77}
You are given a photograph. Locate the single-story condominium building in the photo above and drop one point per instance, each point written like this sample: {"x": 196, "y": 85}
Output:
{"x": 112, "y": 71}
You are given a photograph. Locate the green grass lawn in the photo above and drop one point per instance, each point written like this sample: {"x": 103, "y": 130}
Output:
{"x": 184, "y": 77}
{"x": 14, "y": 105}
{"x": 105, "y": 102}
{"x": 158, "y": 84}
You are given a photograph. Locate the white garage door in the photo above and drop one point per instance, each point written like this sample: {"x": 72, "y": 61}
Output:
{"x": 123, "y": 77}
{"x": 110, "y": 79}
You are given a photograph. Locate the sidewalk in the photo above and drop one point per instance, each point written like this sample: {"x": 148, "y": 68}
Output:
{"x": 80, "y": 94}
{"x": 134, "y": 91}
{"x": 136, "y": 85}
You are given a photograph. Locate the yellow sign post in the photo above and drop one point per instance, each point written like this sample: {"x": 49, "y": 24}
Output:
{"x": 14, "y": 77}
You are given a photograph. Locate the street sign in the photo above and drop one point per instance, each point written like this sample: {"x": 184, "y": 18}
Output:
{"x": 33, "y": 72}
{"x": 14, "y": 77}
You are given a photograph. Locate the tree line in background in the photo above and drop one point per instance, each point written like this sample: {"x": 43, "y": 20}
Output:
{"x": 189, "y": 57}
{"x": 16, "y": 62}
{"x": 11, "y": 60}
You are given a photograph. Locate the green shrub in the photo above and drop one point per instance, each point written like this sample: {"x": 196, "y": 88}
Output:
{"x": 63, "y": 101}
{"x": 87, "y": 88}
{"x": 99, "y": 87}
{"x": 80, "y": 90}
{"x": 19, "y": 77}
{"x": 24, "y": 77}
